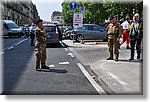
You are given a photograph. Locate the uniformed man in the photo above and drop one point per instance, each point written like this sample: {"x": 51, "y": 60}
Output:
{"x": 114, "y": 34}
{"x": 40, "y": 47}
{"x": 136, "y": 34}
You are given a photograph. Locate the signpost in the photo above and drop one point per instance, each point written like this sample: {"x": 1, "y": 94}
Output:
{"x": 78, "y": 19}
{"x": 73, "y": 5}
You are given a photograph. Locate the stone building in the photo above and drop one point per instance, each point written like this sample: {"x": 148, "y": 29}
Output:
{"x": 56, "y": 16}
{"x": 21, "y": 12}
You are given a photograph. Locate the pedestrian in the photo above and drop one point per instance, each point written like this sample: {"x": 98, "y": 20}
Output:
{"x": 40, "y": 48}
{"x": 125, "y": 32}
{"x": 59, "y": 32}
{"x": 139, "y": 38}
{"x": 32, "y": 35}
{"x": 135, "y": 36}
{"x": 114, "y": 34}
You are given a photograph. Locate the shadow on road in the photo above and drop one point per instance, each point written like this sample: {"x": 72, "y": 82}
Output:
{"x": 133, "y": 61}
{"x": 60, "y": 71}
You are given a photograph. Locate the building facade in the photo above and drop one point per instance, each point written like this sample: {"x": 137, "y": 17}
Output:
{"x": 56, "y": 16}
{"x": 21, "y": 12}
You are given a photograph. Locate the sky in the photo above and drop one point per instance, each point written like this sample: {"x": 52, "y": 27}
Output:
{"x": 46, "y": 7}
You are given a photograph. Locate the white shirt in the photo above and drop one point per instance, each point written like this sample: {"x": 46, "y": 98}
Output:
{"x": 125, "y": 25}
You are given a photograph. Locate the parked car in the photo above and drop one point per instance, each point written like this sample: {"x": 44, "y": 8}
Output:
{"x": 89, "y": 32}
{"x": 53, "y": 36}
{"x": 10, "y": 29}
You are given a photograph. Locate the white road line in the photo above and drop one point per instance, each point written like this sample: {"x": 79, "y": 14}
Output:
{"x": 117, "y": 78}
{"x": 62, "y": 44}
{"x": 66, "y": 49}
{"x": 51, "y": 66}
{"x": 21, "y": 41}
{"x": 1, "y": 53}
{"x": 70, "y": 54}
{"x": 62, "y": 63}
{"x": 92, "y": 81}
{"x": 10, "y": 48}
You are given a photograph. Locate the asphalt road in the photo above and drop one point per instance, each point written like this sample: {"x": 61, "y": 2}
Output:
{"x": 64, "y": 77}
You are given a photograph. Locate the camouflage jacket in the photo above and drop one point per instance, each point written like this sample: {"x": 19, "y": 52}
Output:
{"x": 41, "y": 36}
{"x": 114, "y": 30}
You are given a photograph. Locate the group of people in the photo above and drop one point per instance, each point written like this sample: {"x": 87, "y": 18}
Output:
{"x": 130, "y": 31}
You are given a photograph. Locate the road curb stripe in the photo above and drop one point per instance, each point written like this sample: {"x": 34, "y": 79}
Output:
{"x": 92, "y": 81}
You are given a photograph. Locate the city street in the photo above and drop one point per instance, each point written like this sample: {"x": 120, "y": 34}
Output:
{"x": 66, "y": 74}
{"x": 74, "y": 69}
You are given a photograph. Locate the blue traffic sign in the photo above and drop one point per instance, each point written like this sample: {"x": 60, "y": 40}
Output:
{"x": 81, "y": 8}
{"x": 73, "y": 5}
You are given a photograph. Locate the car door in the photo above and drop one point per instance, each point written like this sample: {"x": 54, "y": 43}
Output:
{"x": 89, "y": 33}
{"x": 100, "y": 33}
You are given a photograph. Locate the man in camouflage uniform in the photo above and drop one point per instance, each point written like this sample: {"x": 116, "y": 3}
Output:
{"x": 114, "y": 34}
{"x": 40, "y": 47}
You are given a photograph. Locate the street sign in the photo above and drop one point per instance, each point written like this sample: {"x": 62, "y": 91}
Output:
{"x": 78, "y": 19}
{"x": 82, "y": 10}
{"x": 73, "y": 5}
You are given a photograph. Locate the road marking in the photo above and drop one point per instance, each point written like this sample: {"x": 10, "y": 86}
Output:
{"x": 10, "y": 47}
{"x": 1, "y": 53}
{"x": 51, "y": 66}
{"x": 70, "y": 54}
{"x": 62, "y": 63}
{"x": 21, "y": 41}
{"x": 92, "y": 81}
{"x": 66, "y": 49}
{"x": 117, "y": 78}
{"x": 62, "y": 44}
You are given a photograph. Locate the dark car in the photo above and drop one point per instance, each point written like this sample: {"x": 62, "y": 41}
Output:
{"x": 53, "y": 35}
{"x": 89, "y": 32}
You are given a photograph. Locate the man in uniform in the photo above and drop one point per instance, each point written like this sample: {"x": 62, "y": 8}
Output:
{"x": 40, "y": 47}
{"x": 114, "y": 34}
{"x": 136, "y": 34}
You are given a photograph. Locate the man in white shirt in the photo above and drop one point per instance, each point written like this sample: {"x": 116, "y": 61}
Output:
{"x": 125, "y": 32}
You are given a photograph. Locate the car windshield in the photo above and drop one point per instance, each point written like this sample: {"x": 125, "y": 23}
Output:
{"x": 50, "y": 28}
{"x": 13, "y": 25}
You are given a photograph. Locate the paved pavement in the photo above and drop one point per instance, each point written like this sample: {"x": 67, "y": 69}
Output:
{"x": 122, "y": 77}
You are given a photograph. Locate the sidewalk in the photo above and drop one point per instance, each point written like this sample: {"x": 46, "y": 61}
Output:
{"x": 122, "y": 77}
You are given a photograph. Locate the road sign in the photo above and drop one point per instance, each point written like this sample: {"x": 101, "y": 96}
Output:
{"x": 78, "y": 19}
{"x": 82, "y": 10}
{"x": 73, "y": 5}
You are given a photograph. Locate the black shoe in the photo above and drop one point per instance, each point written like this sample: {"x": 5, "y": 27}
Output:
{"x": 110, "y": 58}
{"x": 44, "y": 67}
{"x": 38, "y": 69}
{"x": 116, "y": 60}
{"x": 138, "y": 57}
{"x": 131, "y": 59}
{"x": 128, "y": 48}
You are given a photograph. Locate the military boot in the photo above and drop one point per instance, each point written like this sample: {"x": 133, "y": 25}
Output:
{"x": 117, "y": 56}
{"x": 110, "y": 58}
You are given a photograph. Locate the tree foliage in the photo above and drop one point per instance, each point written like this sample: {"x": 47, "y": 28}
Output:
{"x": 98, "y": 12}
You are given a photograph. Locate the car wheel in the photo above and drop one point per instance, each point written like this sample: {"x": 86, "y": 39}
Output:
{"x": 79, "y": 38}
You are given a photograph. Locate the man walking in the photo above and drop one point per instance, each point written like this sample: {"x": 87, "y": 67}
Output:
{"x": 125, "y": 27}
{"x": 114, "y": 34}
{"x": 135, "y": 28}
{"x": 40, "y": 48}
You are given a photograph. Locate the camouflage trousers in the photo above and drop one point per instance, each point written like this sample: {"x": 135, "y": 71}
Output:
{"x": 113, "y": 47}
{"x": 40, "y": 56}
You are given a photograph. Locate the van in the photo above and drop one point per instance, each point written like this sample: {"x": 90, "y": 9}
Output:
{"x": 10, "y": 29}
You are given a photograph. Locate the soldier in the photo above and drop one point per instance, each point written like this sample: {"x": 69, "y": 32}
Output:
{"x": 114, "y": 34}
{"x": 136, "y": 34}
{"x": 40, "y": 48}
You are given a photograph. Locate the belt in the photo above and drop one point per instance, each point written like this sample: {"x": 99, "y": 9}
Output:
{"x": 125, "y": 29}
